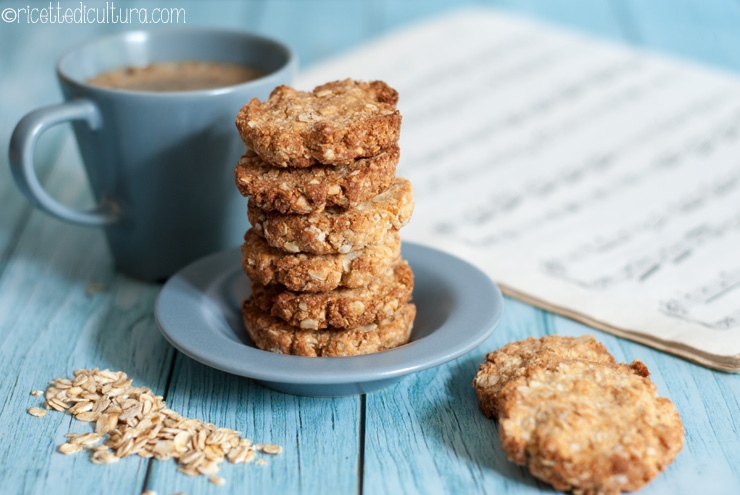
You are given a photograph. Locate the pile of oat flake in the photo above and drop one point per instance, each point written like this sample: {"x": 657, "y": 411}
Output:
{"x": 132, "y": 420}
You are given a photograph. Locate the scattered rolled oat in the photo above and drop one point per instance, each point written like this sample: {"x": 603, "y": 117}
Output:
{"x": 36, "y": 393}
{"x": 272, "y": 449}
{"x": 69, "y": 448}
{"x": 217, "y": 480}
{"x": 133, "y": 420}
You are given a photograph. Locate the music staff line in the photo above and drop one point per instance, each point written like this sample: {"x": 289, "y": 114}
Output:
{"x": 648, "y": 264}
{"x": 550, "y": 103}
{"x": 460, "y": 225}
{"x": 430, "y": 182}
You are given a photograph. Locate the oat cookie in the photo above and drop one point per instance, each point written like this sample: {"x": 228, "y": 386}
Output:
{"x": 587, "y": 427}
{"x": 308, "y": 190}
{"x": 334, "y": 124}
{"x": 512, "y": 360}
{"x": 274, "y": 335}
{"x": 336, "y": 230}
{"x": 340, "y": 308}
{"x": 317, "y": 273}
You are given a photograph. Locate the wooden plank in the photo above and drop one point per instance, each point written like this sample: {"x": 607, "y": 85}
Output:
{"x": 319, "y": 436}
{"x": 389, "y": 14}
{"x": 51, "y": 324}
{"x": 444, "y": 443}
{"x": 596, "y": 18}
{"x": 318, "y": 444}
{"x": 701, "y": 31}
{"x": 423, "y": 436}
{"x": 317, "y": 29}
{"x": 427, "y": 435}
{"x": 593, "y": 17}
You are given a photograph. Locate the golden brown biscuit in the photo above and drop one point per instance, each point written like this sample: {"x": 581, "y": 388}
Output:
{"x": 340, "y": 308}
{"x": 511, "y": 361}
{"x": 334, "y": 124}
{"x": 336, "y": 230}
{"x": 590, "y": 428}
{"x": 311, "y": 189}
{"x": 274, "y": 335}
{"x": 317, "y": 273}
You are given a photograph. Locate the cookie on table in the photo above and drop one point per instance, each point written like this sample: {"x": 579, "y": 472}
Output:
{"x": 588, "y": 427}
{"x": 512, "y": 360}
{"x": 340, "y": 308}
{"x": 336, "y": 230}
{"x": 311, "y": 189}
{"x": 274, "y": 335}
{"x": 334, "y": 124}
{"x": 266, "y": 265}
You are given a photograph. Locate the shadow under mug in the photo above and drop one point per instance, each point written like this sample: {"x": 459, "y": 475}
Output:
{"x": 160, "y": 164}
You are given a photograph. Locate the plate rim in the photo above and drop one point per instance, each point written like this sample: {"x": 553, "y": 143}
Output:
{"x": 410, "y": 358}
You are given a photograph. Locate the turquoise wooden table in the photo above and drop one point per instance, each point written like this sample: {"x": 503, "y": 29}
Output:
{"x": 63, "y": 307}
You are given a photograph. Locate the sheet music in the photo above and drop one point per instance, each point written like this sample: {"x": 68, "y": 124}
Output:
{"x": 590, "y": 178}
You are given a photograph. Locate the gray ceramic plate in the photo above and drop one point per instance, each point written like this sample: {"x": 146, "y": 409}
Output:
{"x": 198, "y": 311}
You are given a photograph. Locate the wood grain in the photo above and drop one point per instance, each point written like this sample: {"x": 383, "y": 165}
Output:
{"x": 427, "y": 435}
{"x": 319, "y": 435}
{"x": 51, "y": 325}
{"x": 63, "y": 306}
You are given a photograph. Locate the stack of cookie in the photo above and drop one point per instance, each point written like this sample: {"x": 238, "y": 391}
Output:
{"x": 323, "y": 253}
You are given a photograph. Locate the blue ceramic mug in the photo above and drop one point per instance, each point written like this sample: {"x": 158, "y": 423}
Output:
{"x": 160, "y": 164}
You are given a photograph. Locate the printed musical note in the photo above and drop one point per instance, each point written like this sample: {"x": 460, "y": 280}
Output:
{"x": 702, "y": 304}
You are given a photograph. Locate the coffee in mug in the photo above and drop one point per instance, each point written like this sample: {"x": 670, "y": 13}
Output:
{"x": 186, "y": 75}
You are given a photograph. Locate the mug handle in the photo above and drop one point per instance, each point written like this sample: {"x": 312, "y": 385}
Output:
{"x": 20, "y": 153}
